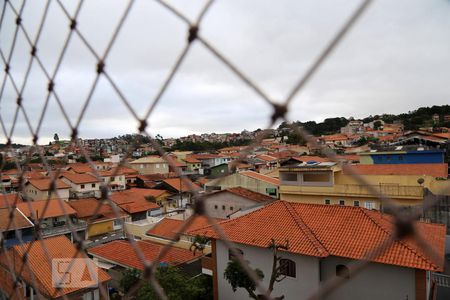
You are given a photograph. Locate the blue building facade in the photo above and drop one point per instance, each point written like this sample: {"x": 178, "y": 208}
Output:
{"x": 403, "y": 157}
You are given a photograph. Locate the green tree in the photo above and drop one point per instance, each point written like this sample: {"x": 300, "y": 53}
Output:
{"x": 238, "y": 277}
{"x": 377, "y": 124}
{"x": 178, "y": 286}
{"x": 129, "y": 278}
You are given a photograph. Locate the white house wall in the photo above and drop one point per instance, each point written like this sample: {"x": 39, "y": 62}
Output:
{"x": 307, "y": 269}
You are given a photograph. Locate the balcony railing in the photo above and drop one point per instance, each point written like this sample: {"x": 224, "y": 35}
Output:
{"x": 63, "y": 229}
{"x": 401, "y": 191}
{"x": 441, "y": 279}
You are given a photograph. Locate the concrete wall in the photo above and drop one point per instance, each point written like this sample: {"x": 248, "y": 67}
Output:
{"x": 35, "y": 194}
{"x": 91, "y": 188}
{"x": 376, "y": 281}
{"x": 151, "y": 168}
{"x": 214, "y": 204}
{"x": 237, "y": 179}
{"x": 306, "y": 281}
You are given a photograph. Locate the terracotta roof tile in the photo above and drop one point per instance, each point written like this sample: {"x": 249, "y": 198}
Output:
{"x": 123, "y": 253}
{"x": 18, "y": 220}
{"x": 248, "y": 194}
{"x": 45, "y": 183}
{"x": 79, "y": 167}
{"x": 87, "y": 207}
{"x": 38, "y": 264}
{"x": 436, "y": 170}
{"x": 54, "y": 208}
{"x": 180, "y": 185}
{"x": 261, "y": 177}
{"x": 324, "y": 230}
{"x": 133, "y": 200}
{"x": 79, "y": 178}
{"x": 167, "y": 228}
{"x": 309, "y": 158}
{"x": 8, "y": 200}
{"x": 191, "y": 160}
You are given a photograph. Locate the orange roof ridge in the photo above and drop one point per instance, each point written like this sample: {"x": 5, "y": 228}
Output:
{"x": 306, "y": 230}
{"x": 402, "y": 242}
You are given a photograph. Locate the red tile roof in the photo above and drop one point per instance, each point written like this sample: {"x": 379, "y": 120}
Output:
{"x": 436, "y": 170}
{"x": 133, "y": 200}
{"x": 308, "y": 158}
{"x": 254, "y": 196}
{"x": 54, "y": 208}
{"x": 79, "y": 167}
{"x": 324, "y": 230}
{"x": 191, "y": 160}
{"x": 261, "y": 177}
{"x": 167, "y": 228}
{"x": 44, "y": 184}
{"x": 180, "y": 185}
{"x": 79, "y": 178}
{"x": 8, "y": 200}
{"x": 265, "y": 157}
{"x": 122, "y": 253}
{"x": 18, "y": 220}
{"x": 87, "y": 207}
{"x": 37, "y": 263}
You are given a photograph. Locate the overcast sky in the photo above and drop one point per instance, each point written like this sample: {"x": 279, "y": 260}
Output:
{"x": 396, "y": 59}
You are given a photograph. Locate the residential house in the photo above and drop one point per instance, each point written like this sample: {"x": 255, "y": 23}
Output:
{"x": 192, "y": 164}
{"x": 15, "y": 227}
{"x": 118, "y": 256}
{"x": 181, "y": 192}
{"x": 331, "y": 183}
{"x": 101, "y": 218}
{"x": 166, "y": 230}
{"x": 222, "y": 204}
{"x": 150, "y": 165}
{"x": 40, "y": 189}
{"x": 81, "y": 185}
{"x": 403, "y": 155}
{"x": 55, "y": 217}
{"x": 139, "y": 204}
{"x": 36, "y": 260}
{"x": 321, "y": 243}
{"x": 247, "y": 179}
{"x": 217, "y": 171}
{"x": 114, "y": 179}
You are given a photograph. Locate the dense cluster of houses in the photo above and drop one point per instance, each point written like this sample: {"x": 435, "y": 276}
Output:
{"x": 289, "y": 194}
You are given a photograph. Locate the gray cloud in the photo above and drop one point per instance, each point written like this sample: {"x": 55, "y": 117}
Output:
{"x": 394, "y": 60}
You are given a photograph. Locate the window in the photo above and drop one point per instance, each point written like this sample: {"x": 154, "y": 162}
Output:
{"x": 231, "y": 207}
{"x": 82, "y": 186}
{"x": 287, "y": 267}
{"x": 288, "y": 178}
{"x": 342, "y": 271}
{"x": 223, "y": 207}
{"x": 231, "y": 254}
{"x": 316, "y": 177}
{"x": 271, "y": 191}
{"x": 112, "y": 178}
{"x": 356, "y": 203}
{"x": 369, "y": 205}
{"x": 341, "y": 202}
{"x": 327, "y": 201}
{"x": 157, "y": 166}
{"x": 215, "y": 206}
{"x": 93, "y": 185}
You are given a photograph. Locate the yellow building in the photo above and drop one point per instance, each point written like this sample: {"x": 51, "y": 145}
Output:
{"x": 329, "y": 183}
